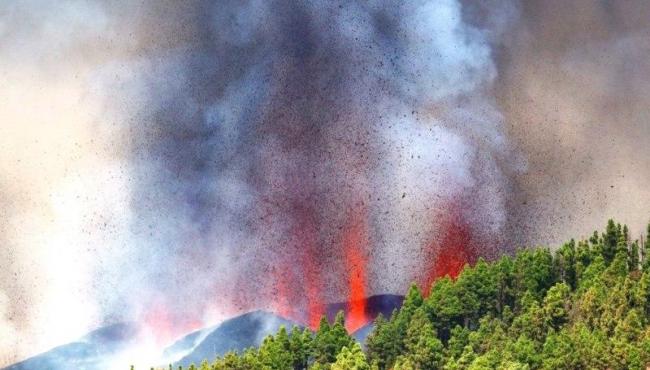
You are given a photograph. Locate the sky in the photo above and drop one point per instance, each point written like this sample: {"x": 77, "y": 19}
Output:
{"x": 283, "y": 155}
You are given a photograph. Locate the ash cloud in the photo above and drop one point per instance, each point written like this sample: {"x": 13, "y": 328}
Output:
{"x": 255, "y": 145}
{"x": 575, "y": 96}
{"x": 225, "y": 149}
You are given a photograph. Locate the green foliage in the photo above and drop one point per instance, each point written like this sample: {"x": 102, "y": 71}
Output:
{"x": 330, "y": 340}
{"x": 275, "y": 351}
{"x": 351, "y": 359}
{"x": 584, "y": 306}
{"x": 423, "y": 348}
{"x": 645, "y": 251}
{"x": 381, "y": 346}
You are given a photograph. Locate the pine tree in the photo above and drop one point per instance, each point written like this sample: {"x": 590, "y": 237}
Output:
{"x": 565, "y": 263}
{"x": 558, "y": 352}
{"x": 381, "y": 346}
{"x": 445, "y": 306}
{"x": 323, "y": 348}
{"x": 401, "y": 320}
{"x": 300, "y": 347}
{"x": 423, "y": 347}
{"x": 642, "y": 293}
{"x": 457, "y": 342}
{"x": 610, "y": 241}
{"x": 412, "y": 301}
{"x": 404, "y": 363}
{"x": 504, "y": 271}
{"x": 619, "y": 265}
{"x": 339, "y": 332}
{"x": 523, "y": 352}
{"x": 633, "y": 257}
{"x": 274, "y": 352}
{"x": 329, "y": 340}
{"x": 351, "y": 358}
{"x": 584, "y": 256}
{"x": 646, "y": 250}
{"x": 534, "y": 272}
{"x": 556, "y": 306}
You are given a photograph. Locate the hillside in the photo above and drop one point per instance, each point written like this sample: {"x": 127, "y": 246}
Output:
{"x": 241, "y": 332}
{"x": 92, "y": 352}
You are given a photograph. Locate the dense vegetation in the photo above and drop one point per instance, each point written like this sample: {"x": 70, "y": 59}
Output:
{"x": 584, "y": 306}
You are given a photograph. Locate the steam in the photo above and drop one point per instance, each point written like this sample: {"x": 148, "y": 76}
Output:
{"x": 176, "y": 164}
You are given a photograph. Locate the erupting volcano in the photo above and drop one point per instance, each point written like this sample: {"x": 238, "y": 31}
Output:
{"x": 289, "y": 178}
{"x": 291, "y": 287}
{"x": 453, "y": 244}
{"x": 178, "y": 164}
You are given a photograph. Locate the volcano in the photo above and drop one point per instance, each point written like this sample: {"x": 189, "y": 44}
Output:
{"x": 98, "y": 349}
{"x": 241, "y": 332}
{"x": 91, "y": 352}
{"x": 248, "y": 330}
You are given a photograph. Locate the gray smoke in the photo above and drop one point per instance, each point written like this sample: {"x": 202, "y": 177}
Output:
{"x": 254, "y": 144}
{"x": 575, "y": 97}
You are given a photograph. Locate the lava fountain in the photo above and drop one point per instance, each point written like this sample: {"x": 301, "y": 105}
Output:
{"x": 355, "y": 244}
{"x": 453, "y": 247}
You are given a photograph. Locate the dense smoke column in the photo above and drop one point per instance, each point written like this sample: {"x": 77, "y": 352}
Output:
{"x": 293, "y": 155}
{"x": 284, "y": 156}
{"x": 268, "y": 126}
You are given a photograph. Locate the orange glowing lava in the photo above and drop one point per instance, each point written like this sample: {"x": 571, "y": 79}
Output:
{"x": 452, "y": 249}
{"x": 165, "y": 326}
{"x": 355, "y": 244}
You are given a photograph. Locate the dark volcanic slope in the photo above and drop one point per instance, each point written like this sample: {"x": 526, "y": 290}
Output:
{"x": 249, "y": 330}
{"x": 88, "y": 353}
{"x": 185, "y": 345}
{"x": 382, "y": 303}
{"x": 239, "y": 333}
{"x": 96, "y": 349}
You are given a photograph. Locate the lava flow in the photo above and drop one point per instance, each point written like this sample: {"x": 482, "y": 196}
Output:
{"x": 300, "y": 286}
